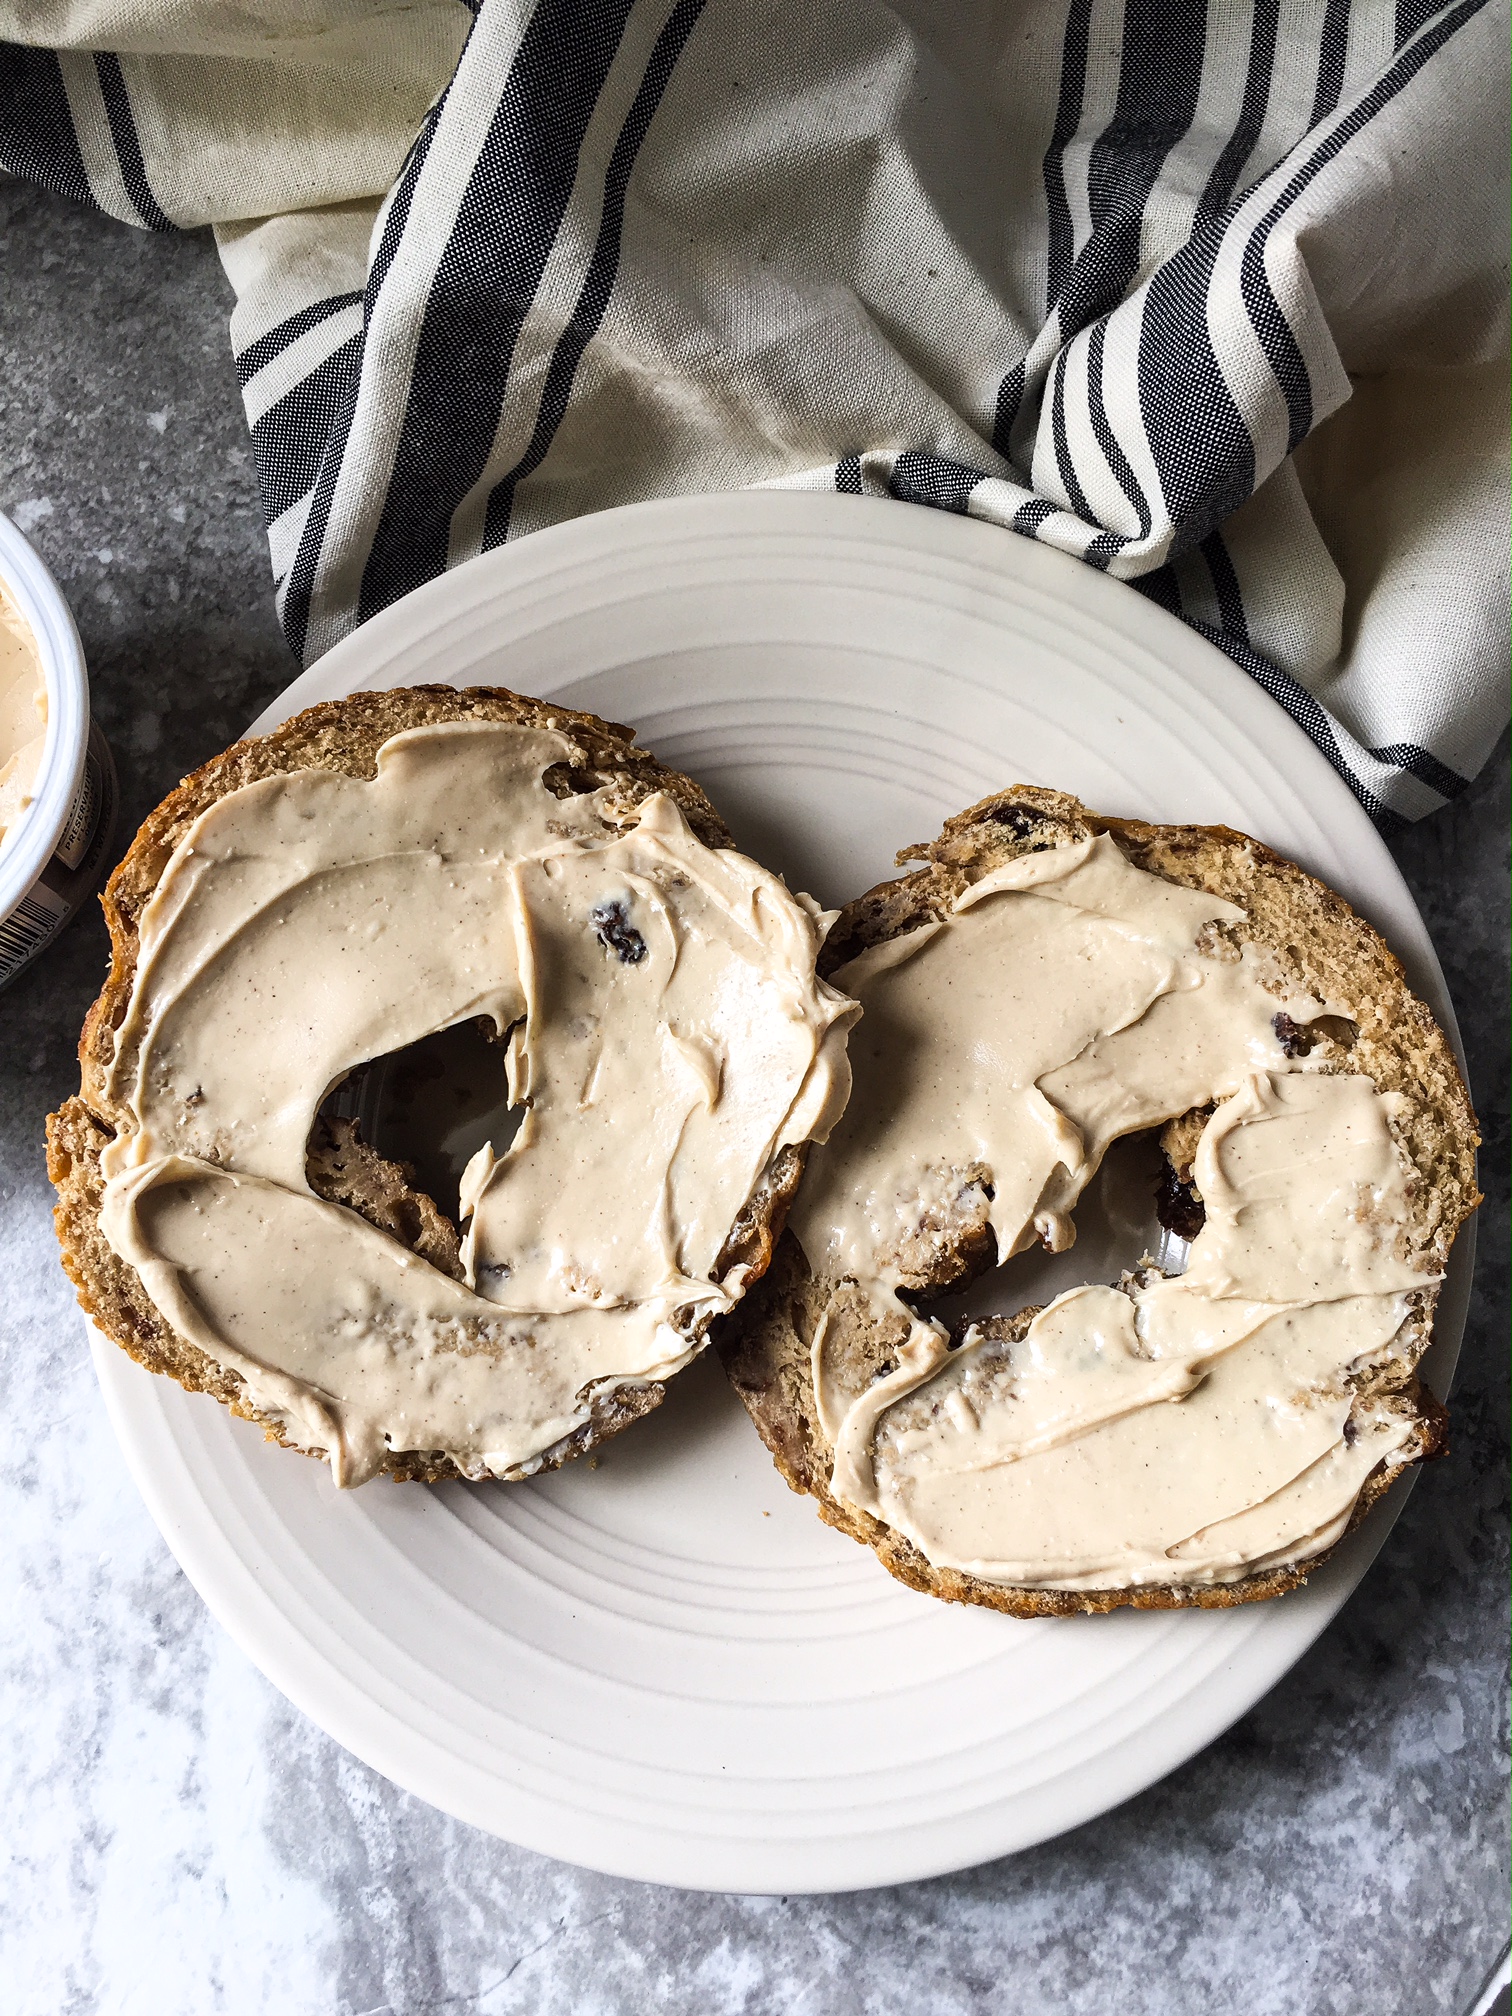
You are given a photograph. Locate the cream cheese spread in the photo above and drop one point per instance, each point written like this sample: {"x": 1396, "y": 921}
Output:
{"x": 23, "y": 716}
{"x": 667, "y": 1037}
{"x": 1186, "y": 1429}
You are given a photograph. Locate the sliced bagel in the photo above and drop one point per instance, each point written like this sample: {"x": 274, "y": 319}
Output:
{"x": 602, "y": 780}
{"x": 1316, "y": 948}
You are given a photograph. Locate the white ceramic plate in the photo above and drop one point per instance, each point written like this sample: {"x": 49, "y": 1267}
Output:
{"x": 666, "y": 1667}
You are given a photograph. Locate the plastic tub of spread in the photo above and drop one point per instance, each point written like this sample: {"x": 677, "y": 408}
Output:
{"x": 57, "y": 782}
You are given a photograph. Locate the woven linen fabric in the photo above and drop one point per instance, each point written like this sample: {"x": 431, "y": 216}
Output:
{"x": 1208, "y": 293}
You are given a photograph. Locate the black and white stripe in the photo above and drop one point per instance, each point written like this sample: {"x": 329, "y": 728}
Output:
{"x": 36, "y": 128}
{"x": 638, "y": 247}
{"x": 66, "y": 121}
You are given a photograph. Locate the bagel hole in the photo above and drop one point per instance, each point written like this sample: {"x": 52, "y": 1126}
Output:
{"x": 1117, "y": 1225}
{"x": 432, "y": 1105}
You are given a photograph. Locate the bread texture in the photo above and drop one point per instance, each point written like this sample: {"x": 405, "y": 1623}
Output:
{"x": 344, "y": 736}
{"x": 1322, "y": 948}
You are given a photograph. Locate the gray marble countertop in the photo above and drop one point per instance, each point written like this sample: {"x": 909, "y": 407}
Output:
{"x": 180, "y": 1840}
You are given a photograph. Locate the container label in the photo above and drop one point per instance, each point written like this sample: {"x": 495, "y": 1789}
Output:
{"x": 27, "y": 929}
{"x": 79, "y": 830}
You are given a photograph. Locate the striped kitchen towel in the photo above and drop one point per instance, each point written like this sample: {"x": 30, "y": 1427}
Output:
{"x": 1208, "y": 293}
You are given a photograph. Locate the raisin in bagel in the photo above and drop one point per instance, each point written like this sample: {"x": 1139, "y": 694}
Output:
{"x": 1203, "y": 1438}
{"x": 378, "y": 868}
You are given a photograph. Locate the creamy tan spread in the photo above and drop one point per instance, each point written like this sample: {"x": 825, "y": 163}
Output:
{"x": 23, "y": 715}
{"x": 1190, "y": 1429}
{"x": 668, "y": 1038}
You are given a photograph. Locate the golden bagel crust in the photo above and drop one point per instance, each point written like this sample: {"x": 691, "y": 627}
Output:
{"x": 1323, "y": 949}
{"x": 343, "y": 736}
